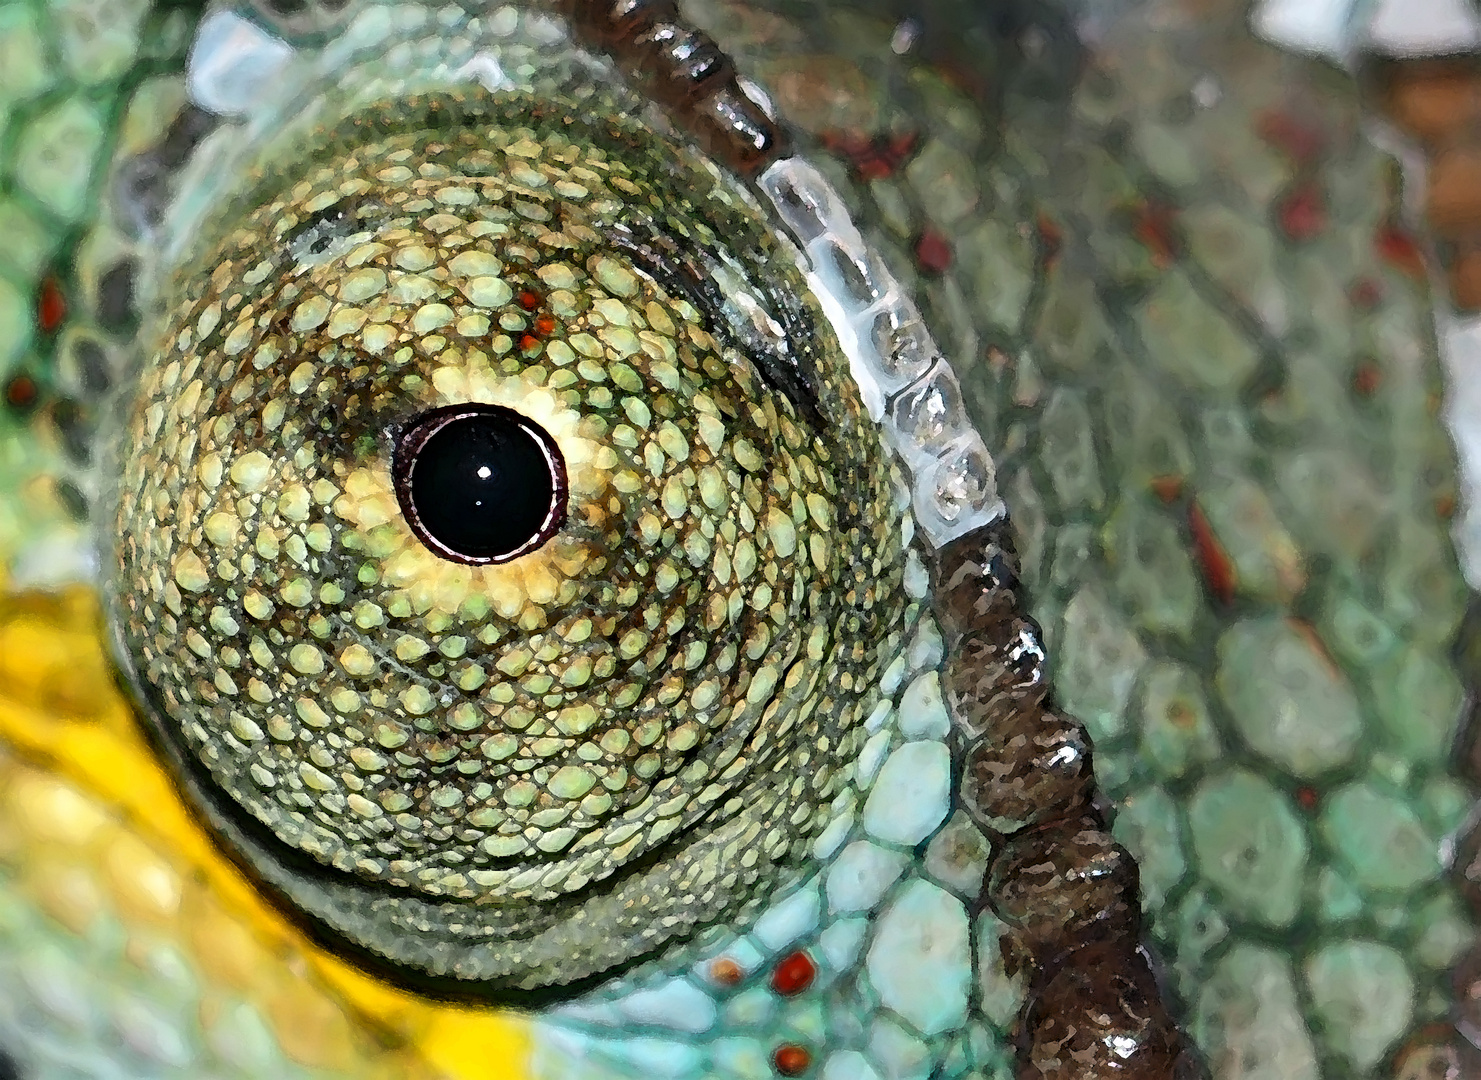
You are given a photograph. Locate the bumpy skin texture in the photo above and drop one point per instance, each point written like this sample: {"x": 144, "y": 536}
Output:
{"x": 1136, "y": 464}
{"x": 517, "y": 775}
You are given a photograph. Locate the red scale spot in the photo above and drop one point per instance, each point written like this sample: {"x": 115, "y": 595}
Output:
{"x": 1213, "y": 560}
{"x": 1300, "y": 141}
{"x": 1316, "y": 644}
{"x": 1367, "y": 378}
{"x": 1445, "y": 506}
{"x": 794, "y": 974}
{"x": 1051, "y": 238}
{"x": 1399, "y": 249}
{"x": 1365, "y": 294}
{"x": 872, "y": 157}
{"x": 528, "y": 342}
{"x": 51, "y": 305}
{"x": 791, "y": 1059}
{"x": 545, "y": 325}
{"x": 849, "y": 144}
{"x": 529, "y": 299}
{"x": 966, "y": 76}
{"x": 933, "y": 252}
{"x": 1167, "y": 488}
{"x": 726, "y": 971}
{"x": 1307, "y": 798}
{"x": 890, "y": 154}
{"x": 1156, "y": 230}
{"x": 1302, "y": 213}
{"x": 21, "y": 392}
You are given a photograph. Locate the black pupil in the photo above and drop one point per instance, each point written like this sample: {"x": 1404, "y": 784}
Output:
{"x": 483, "y": 486}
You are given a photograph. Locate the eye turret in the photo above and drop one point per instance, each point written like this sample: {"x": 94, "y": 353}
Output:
{"x": 504, "y": 555}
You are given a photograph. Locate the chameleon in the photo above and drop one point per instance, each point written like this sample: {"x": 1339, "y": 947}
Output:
{"x": 713, "y": 738}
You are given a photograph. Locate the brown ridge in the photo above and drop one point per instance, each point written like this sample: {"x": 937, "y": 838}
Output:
{"x": 686, "y": 72}
{"x": 1067, "y": 890}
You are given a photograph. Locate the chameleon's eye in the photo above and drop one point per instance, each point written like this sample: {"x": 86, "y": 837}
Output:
{"x": 524, "y": 542}
{"x": 504, "y": 552}
{"x": 480, "y": 483}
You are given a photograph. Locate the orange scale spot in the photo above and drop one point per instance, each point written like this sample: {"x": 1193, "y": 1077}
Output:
{"x": 1167, "y": 488}
{"x": 529, "y": 299}
{"x": 545, "y": 325}
{"x": 791, "y": 1059}
{"x": 725, "y": 971}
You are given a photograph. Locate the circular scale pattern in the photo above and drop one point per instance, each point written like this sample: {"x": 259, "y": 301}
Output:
{"x": 682, "y": 668}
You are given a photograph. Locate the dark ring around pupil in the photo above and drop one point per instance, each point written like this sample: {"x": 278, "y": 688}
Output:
{"x": 479, "y": 483}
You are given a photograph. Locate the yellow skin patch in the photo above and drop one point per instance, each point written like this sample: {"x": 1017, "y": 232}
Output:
{"x": 92, "y": 825}
{"x": 683, "y": 668}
